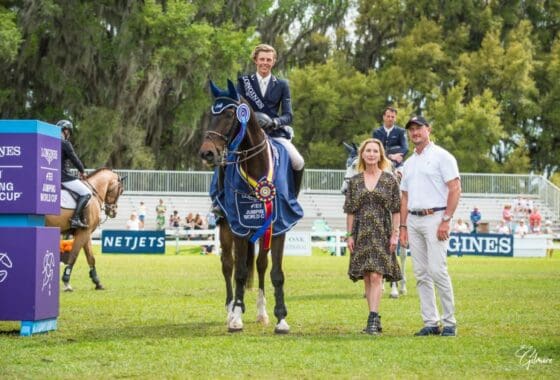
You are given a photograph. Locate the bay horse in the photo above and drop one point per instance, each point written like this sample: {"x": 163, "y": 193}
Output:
{"x": 106, "y": 187}
{"x": 250, "y": 156}
{"x": 352, "y": 170}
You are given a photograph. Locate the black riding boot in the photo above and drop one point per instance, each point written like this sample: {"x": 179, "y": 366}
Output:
{"x": 298, "y": 178}
{"x": 76, "y": 221}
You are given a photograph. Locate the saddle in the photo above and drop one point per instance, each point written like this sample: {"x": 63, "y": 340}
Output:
{"x": 245, "y": 213}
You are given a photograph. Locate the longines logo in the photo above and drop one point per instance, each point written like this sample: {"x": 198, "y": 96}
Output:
{"x": 10, "y": 151}
{"x": 49, "y": 154}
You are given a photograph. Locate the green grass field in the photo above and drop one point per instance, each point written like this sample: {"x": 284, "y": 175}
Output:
{"x": 164, "y": 317}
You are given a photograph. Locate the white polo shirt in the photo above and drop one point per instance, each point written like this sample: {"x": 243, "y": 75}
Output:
{"x": 425, "y": 177}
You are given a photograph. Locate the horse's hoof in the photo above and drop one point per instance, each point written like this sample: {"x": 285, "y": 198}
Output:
{"x": 282, "y": 327}
{"x": 403, "y": 291}
{"x": 235, "y": 326}
{"x": 99, "y": 287}
{"x": 68, "y": 288}
{"x": 263, "y": 319}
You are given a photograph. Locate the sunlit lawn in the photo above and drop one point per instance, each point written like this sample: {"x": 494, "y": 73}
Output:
{"x": 164, "y": 317}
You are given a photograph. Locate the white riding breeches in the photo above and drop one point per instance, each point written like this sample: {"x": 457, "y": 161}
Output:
{"x": 295, "y": 158}
{"x": 77, "y": 186}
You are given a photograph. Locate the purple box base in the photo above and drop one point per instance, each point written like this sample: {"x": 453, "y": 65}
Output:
{"x": 29, "y": 273}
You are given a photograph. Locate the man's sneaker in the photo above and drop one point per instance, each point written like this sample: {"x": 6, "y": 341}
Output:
{"x": 429, "y": 330}
{"x": 449, "y": 331}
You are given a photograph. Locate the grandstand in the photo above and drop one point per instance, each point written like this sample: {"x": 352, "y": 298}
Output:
{"x": 186, "y": 192}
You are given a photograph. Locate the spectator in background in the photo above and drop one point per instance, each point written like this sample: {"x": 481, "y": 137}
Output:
{"x": 475, "y": 219}
{"x": 175, "y": 220}
{"x": 198, "y": 222}
{"x": 549, "y": 238}
{"x": 507, "y": 216}
{"x": 189, "y": 221}
{"x": 211, "y": 220}
{"x": 521, "y": 229}
{"x": 502, "y": 228}
{"x": 142, "y": 214}
{"x": 519, "y": 206}
{"x": 161, "y": 209}
{"x": 460, "y": 226}
{"x": 535, "y": 220}
{"x": 133, "y": 224}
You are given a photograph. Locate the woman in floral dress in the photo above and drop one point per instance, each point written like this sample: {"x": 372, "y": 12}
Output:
{"x": 372, "y": 206}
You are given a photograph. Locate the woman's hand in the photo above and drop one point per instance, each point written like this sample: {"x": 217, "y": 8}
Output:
{"x": 350, "y": 243}
{"x": 394, "y": 241}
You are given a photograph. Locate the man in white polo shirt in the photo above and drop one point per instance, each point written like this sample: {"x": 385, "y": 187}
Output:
{"x": 431, "y": 188}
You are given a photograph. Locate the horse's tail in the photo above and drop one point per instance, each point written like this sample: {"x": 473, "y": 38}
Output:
{"x": 250, "y": 265}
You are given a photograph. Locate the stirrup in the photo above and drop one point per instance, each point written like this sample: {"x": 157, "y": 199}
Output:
{"x": 77, "y": 223}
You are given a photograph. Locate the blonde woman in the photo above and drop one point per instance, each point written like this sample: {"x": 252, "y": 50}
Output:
{"x": 372, "y": 209}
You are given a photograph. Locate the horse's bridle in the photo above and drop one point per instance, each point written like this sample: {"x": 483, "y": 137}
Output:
{"x": 246, "y": 153}
{"x": 109, "y": 208}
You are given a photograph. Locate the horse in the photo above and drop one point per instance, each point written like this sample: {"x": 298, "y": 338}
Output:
{"x": 352, "y": 170}
{"x": 107, "y": 187}
{"x": 236, "y": 148}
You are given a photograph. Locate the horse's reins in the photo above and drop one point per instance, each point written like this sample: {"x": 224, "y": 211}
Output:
{"x": 246, "y": 153}
{"x": 102, "y": 204}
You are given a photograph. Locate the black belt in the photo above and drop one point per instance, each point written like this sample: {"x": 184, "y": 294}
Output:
{"x": 428, "y": 211}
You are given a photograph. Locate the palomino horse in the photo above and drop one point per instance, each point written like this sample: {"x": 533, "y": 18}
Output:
{"x": 107, "y": 186}
{"x": 352, "y": 170}
{"x": 244, "y": 148}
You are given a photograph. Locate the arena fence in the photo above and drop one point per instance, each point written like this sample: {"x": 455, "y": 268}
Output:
{"x": 326, "y": 181}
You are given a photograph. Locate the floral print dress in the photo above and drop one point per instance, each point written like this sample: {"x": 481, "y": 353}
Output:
{"x": 372, "y": 226}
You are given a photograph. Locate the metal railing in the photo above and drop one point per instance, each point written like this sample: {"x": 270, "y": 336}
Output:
{"x": 330, "y": 180}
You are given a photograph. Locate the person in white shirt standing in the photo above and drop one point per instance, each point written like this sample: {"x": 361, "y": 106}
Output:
{"x": 431, "y": 188}
{"x": 133, "y": 224}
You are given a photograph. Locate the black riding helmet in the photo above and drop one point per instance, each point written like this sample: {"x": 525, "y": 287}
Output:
{"x": 65, "y": 124}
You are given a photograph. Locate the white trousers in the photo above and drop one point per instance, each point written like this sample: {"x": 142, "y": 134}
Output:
{"x": 295, "y": 158}
{"x": 429, "y": 260}
{"x": 77, "y": 186}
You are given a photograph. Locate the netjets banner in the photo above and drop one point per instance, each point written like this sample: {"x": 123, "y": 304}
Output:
{"x": 481, "y": 245}
{"x": 124, "y": 241}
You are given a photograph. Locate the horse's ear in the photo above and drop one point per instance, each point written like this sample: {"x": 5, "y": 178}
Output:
{"x": 349, "y": 148}
{"x": 355, "y": 147}
{"x": 232, "y": 90}
{"x": 216, "y": 92}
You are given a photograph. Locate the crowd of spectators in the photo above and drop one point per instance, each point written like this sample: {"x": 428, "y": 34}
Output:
{"x": 519, "y": 217}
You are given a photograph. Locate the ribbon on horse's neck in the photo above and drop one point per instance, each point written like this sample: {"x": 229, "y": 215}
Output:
{"x": 243, "y": 114}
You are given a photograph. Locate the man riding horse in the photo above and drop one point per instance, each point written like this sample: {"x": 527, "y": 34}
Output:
{"x": 270, "y": 98}
{"x": 69, "y": 181}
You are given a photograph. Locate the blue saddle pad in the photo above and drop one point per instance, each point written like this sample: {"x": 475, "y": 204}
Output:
{"x": 246, "y": 214}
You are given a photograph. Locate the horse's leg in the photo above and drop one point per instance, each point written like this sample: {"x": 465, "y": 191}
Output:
{"x": 277, "y": 276}
{"x": 88, "y": 249}
{"x": 394, "y": 290}
{"x": 402, "y": 254}
{"x": 241, "y": 246}
{"x": 72, "y": 256}
{"x": 250, "y": 265}
{"x": 262, "y": 264}
{"x": 226, "y": 243}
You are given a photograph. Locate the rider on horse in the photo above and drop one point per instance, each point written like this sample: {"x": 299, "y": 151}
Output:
{"x": 269, "y": 95}
{"x": 392, "y": 137}
{"x": 69, "y": 181}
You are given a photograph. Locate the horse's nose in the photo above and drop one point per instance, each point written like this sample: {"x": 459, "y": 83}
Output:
{"x": 207, "y": 156}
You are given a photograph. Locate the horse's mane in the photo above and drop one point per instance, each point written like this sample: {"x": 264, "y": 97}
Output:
{"x": 97, "y": 171}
